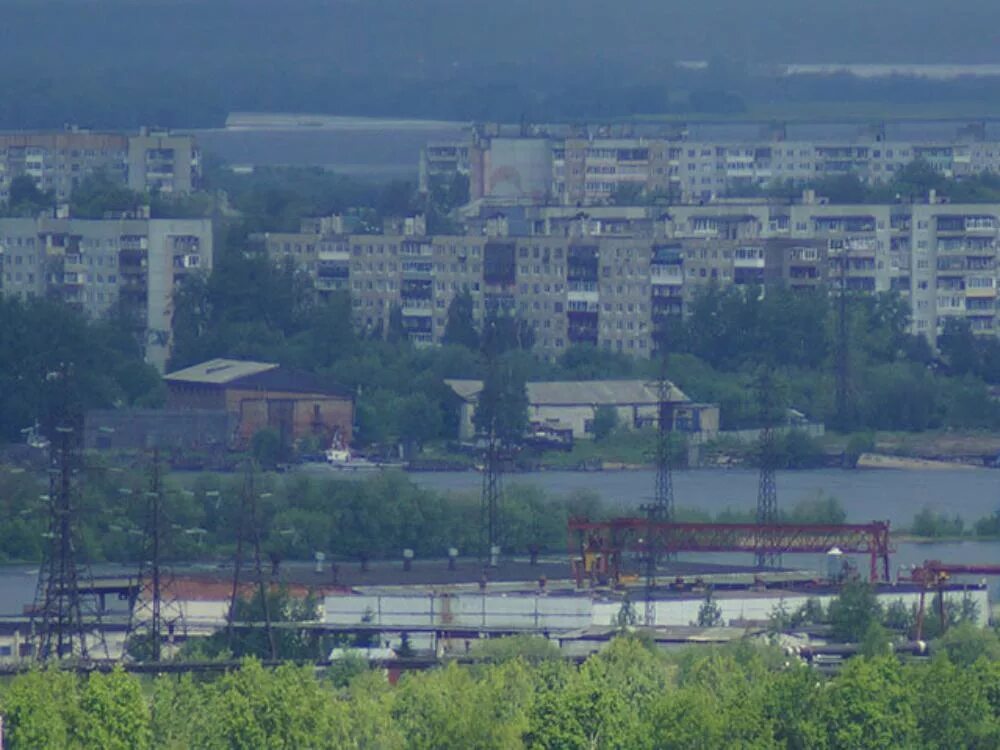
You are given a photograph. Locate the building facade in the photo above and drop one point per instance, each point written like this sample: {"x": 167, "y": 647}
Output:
{"x": 573, "y": 405}
{"x": 97, "y": 264}
{"x": 261, "y": 395}
{"x": 606, "y": 277}
{"x": 148, "y": 161}
{"x": 588, "y": 165}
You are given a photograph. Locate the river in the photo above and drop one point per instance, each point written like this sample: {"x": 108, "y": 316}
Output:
{"x": 895, "y": 496}
{"x": 883, "y": 495}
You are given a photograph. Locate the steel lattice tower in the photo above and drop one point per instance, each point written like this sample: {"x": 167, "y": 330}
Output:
{"x": 845, "y": 418}
{"x": 491, "y": 500}
{"x": 651, "y": 556}
{"x": 492, "y": 493}
{"x": 63, "y": 623}
{"x": 146, "y": 617}
{"x": 767, "y": 493}
{"x": 248, "y": 524}
{"x": 664, "y": 498}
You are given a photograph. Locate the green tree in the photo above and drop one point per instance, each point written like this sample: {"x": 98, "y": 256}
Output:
{"x": 528, "y": 647}
{"x": 709, "y": 613}
{"x": 460, "y": 326}
{"x": 418, "y": 419}
{"x": 854, "y": 610}
{"x": 958, "y": 347}
{"x": 41, "y": 710}
{"x": 952, "y": 707}
{"x": 395, "y": 332}
{"x": 266, "y": 448}
{"x": 25, "y": 199}
{"x": 449, "y": 707}
{"x": 114, "y": 714}
{"x": 795, "y": 703}
{"x": 98, "y": 194}
{"x": 605, "y": 422}
{"x": 966, "y": 643}
{"x": 502, "y": 408}
{"x": 871, "y": 706}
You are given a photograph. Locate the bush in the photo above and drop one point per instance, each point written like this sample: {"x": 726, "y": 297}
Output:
{"x": 605, "y": 422}
{"x": 858, "y": 443}
{"x": 799, "y": 450}
{"x": 929, "y": 524}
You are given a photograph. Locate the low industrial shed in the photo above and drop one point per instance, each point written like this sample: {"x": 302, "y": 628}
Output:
{"x": 575, "y": 403}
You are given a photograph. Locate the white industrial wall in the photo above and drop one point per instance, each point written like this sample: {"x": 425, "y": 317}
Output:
{"x": 539, "y": 612}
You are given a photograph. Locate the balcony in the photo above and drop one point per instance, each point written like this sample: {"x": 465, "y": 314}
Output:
{"x": 324, "y": 284}
{"x": 666, "y": 275}
{"x": 416, "y": 307}
{"x": 988, "y": 292}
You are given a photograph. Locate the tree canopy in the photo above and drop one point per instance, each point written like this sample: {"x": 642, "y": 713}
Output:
{"x": 629, "y": 696}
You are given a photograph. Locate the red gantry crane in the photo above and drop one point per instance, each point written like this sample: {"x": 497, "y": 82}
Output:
{"x": 598, "y": 548}
{"x": 934, "y": 574}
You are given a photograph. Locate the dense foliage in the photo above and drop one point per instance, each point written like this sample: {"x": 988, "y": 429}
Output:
{"x": 630, "y": 696}
{"x": 346, "y": 518}
{"x": 911, "y": 183}
{"x": 44, "y": 343}
{"x": 895, "y": 380}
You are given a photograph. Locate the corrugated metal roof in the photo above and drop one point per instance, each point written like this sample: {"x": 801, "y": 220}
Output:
{"x": 578, "y": 392}
{"x": 219, "y": 371}
{"x": 597, "y": 392}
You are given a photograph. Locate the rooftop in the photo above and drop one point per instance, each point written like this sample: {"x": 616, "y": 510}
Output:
{"x": 262, "y": 376}
{"x": 578, "y": 392}
{"x": 219, "y": 371}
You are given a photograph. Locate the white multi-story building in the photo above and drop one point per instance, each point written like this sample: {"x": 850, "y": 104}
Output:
{"x": 94, "y": 265}
{"x": 147, "y": 161}
{"x": 605, "y": 279}
{"x": 593, "y": 167}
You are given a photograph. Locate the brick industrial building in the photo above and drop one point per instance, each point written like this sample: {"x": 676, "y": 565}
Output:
{"x": 262, "y": 395}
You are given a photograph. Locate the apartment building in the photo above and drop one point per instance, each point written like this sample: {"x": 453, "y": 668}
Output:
{"x": 607, "y": 279}
{"x": 57, "y": 161}
{"x": 594, "y": 166}
{"x": 96, "y": 264}
{"x": 163, "y": 162}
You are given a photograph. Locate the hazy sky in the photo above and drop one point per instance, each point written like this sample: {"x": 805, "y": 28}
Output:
{"x": 192, "y": 61}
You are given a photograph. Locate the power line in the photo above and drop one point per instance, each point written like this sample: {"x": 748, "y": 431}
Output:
{"x": 664, "y": 498}
{"x": 248, "y": 524}
{"x": 146, "y": 616}
{"x": 492, "y": 492}
{"x": 767, "y": 492}
{"x": 64, "y": 623}
{"x": 843, "y": 363}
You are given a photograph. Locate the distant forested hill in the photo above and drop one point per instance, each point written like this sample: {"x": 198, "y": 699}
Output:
{"x": 189, "y": 62}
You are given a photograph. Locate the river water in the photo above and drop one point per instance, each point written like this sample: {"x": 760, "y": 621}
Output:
{"x": 873, "y": 495}
{"x": 894, "y": 496}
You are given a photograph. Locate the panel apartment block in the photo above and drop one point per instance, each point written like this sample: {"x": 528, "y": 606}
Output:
{"x": 607, "y": 282}
{"x": 153, "y": 161}
{"x": 592, "y": 168}
{"x": 94, "y": 265}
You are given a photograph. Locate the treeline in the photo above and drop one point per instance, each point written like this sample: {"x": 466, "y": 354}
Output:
{"x": 235, "y": 56}
{"x": 347, "y": 519}
{"x": 628, "y": 697}
{"x": 895, "y": 380}
{"x": 53, "y": 359}
{"x": 911, "y": 183}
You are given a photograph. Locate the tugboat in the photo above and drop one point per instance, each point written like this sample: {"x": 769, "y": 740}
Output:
{"x": 338, "y": 456}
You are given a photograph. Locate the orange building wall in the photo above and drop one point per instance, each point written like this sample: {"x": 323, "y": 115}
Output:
{"x": 295, "y": 415}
